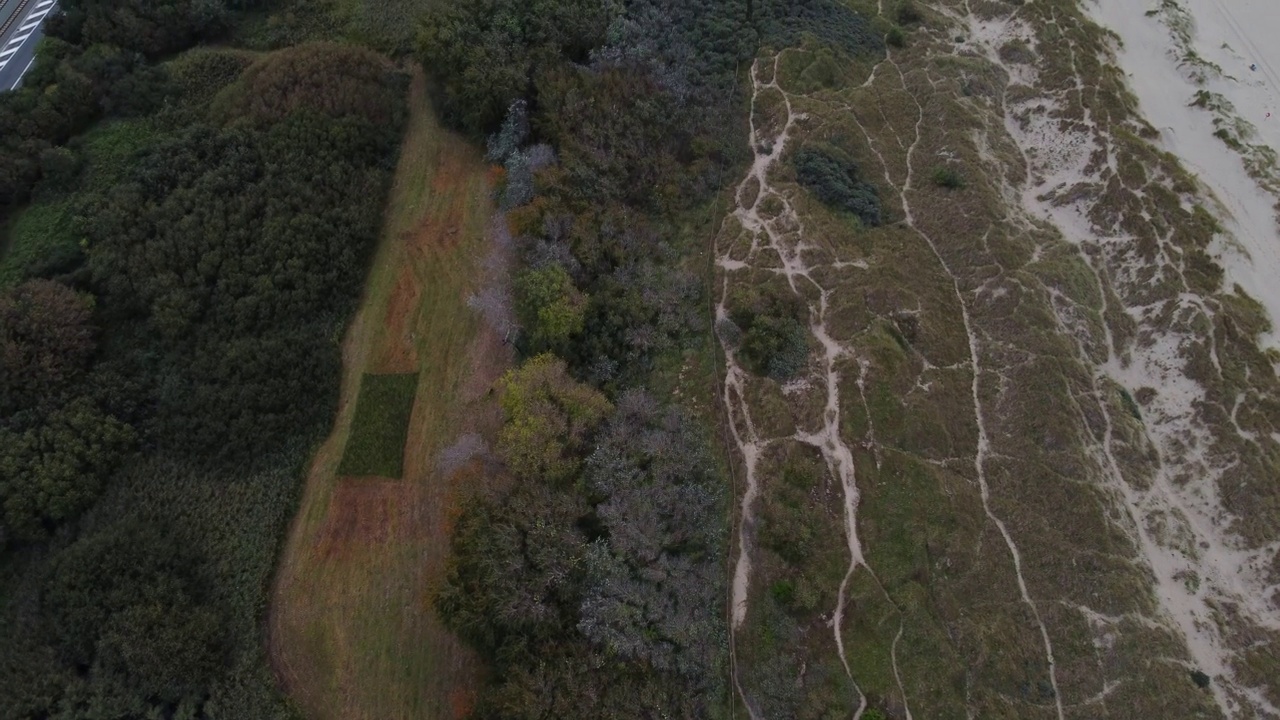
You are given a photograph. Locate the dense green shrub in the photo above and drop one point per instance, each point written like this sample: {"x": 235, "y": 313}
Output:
{"x": 47, "y": 340}
{"x": 151, "y": 27}
{"x": 655, "y": 567}
{"x": 549, "y": 420}
{"x": 515, "y": 569}
{"x": 550, "y": 308}
{"x": 783, "y": 23}
{"x": 127, "y": 608}
{"x": 53, "y": 470}
{"x": 947, "y": 177}
{"x": 831, "y": 176}
{"x": 786, "y": 526}
{"x": 774, "y": 338}
{"x": 203, "y": 71}
{"x": 335, "y": 80}
{"x": 628, "y": 155}
{"x": 908, "y": 14}
{"x": 485, "y": 55}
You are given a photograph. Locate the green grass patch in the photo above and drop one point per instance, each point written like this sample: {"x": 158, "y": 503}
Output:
{"x": 41, "y": 240}
{"x": 110, "y": 149}
{"x": 381, "y": 423}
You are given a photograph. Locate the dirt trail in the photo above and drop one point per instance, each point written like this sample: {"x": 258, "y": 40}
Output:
{"x": 783, "y": 236}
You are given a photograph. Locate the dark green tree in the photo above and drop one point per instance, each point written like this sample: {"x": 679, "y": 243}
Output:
{"x": 123, "y": 608}
{"x": 51, "y": 472}
{"x": 46, "y": 342}
{"x": 833, "y": 177}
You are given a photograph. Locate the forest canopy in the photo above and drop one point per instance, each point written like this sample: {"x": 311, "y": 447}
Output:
{"x": 201, "y": 218}
{"x": 223, "y": 238}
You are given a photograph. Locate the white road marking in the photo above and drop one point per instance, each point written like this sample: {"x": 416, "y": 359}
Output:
{"x": 22, "y": 74}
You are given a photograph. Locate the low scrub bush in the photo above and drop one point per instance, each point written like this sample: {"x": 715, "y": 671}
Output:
{"x": 908, "y": 13}
{"x": 775, "y": 341}
{"x": 949, "y": 178}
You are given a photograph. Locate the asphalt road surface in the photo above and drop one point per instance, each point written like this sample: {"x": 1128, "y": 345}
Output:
{"x": 20, "y": 32}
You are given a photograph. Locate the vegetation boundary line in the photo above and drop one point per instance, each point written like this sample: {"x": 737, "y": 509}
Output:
{"x": 723, "y": 416}
{"x": 723, "y": 419}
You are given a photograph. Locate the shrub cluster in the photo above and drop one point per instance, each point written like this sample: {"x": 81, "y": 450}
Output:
{"x": 773, "y": 340}
{"x": 592, "y": 587}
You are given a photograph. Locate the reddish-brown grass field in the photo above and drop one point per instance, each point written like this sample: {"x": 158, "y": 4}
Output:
{"x": 352, "y": 630}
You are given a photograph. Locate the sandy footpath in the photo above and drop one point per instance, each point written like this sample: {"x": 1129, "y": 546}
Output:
{"x": 1230, "y": 36}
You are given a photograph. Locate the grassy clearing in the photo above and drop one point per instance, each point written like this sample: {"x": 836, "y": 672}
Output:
{"x": 353, "y": 633}
{"x": 41, "y": 238}
{"x": 110, "y": 148}
{"x": 381, "y": 423}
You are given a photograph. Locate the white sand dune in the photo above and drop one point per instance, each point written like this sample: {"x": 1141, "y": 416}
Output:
{"x": 1228, "y": 36}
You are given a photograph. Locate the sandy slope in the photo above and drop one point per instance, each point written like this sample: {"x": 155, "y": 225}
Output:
{"x": 1231, "y": 35}
{"x": 1173, "y": 53}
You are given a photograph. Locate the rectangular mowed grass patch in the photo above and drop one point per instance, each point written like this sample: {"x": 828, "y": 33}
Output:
{"x": 376, "y": 443}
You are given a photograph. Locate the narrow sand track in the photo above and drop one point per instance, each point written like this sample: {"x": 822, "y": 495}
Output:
{"x": 783, "y": 235}
{"x": 984, "y": 443}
